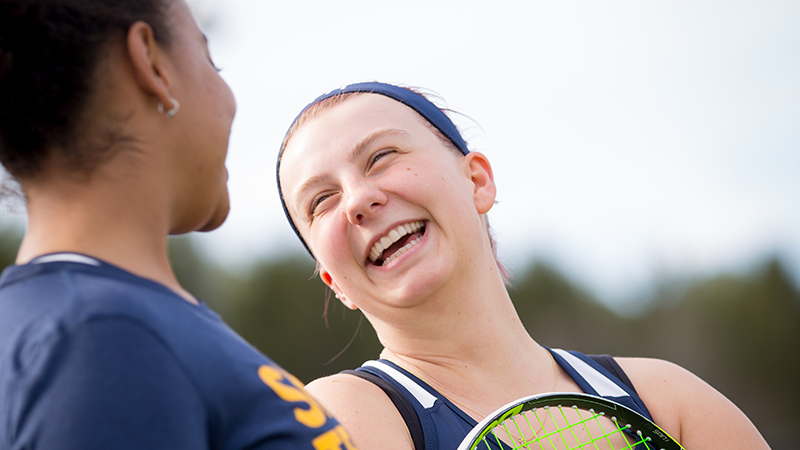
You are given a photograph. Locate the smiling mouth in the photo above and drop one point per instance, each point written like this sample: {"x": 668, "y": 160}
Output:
{"x": 396, "y": 242}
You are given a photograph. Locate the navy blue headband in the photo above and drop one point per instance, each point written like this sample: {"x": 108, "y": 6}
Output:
{"x": 415, "y": 101}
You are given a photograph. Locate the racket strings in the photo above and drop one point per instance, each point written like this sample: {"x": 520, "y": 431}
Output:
{"x": 567, "y": 433}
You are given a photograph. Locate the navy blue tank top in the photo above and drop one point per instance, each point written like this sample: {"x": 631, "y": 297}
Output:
{"x": 444, "y": 425}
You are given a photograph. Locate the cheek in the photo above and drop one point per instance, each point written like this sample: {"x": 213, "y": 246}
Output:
{"x": 224, "y": 106}
{"x": 212, "y": 94}
{"x": 408, "y": 181}
{"x": 228, "y": 99}
{"x": 328, "y": 241}
{"x": 420, "y": 186}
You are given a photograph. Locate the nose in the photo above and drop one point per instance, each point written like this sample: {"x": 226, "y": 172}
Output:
{"x": 363, "y": 202}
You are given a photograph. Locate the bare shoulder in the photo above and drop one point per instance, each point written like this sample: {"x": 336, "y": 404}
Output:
{"x": 365, "y": 411}
{"x": 664, "y": 387}
{"x": 688, "y": 408}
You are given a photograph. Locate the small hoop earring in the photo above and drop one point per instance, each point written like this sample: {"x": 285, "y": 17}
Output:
{"x": 174, "y": 110}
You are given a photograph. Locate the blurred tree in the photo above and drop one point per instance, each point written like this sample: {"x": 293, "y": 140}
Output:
{"x": 10, "y": 238}
{"x": 279, "y": 309}
{"x": 200, "y": 276}
{"x": 559, "y": 314}
{"x": 742, "y": 335}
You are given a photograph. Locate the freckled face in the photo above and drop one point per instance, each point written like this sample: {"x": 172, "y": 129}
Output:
{"x": 367, "y": 168}
{"x": 204, "y": 126}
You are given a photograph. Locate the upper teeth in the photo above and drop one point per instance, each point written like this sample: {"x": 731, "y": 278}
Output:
{"x": 392, "y": 237}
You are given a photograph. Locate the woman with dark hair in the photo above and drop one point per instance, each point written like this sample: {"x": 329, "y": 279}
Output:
{"x": 383, "y": 191}
{"x": 115, "y": 123}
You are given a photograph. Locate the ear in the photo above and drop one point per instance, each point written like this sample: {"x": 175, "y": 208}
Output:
{"x": 480, "y": 173}
{"x": 328, "y": 280}
{"x": 149, "y": 62}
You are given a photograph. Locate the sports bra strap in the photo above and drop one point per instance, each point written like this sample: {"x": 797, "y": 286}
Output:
{"x": 610, "y": 364}
{"x": 402, "y": 404}
{"x": 411, "y": 418}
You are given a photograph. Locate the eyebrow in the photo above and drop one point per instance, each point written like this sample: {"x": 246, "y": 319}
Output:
{"x": 361, "y": 146}
{"x": 309, "y": 183}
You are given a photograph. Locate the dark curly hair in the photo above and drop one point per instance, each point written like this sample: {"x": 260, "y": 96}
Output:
{"x": 49, "y": 50}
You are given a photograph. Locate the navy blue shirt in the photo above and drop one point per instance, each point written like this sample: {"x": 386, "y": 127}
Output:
{"x": 93, "y": 357}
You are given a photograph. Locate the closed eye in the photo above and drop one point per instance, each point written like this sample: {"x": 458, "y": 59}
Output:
{"x": 380, "y": 154}
{"x": 313, "y": 209}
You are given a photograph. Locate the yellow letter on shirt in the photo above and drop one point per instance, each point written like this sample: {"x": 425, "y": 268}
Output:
{"x": 314, "y": 416}
{"x": 333, "y": 440}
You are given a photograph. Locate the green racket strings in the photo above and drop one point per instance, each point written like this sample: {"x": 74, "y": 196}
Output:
{"x": 587, "y": 432}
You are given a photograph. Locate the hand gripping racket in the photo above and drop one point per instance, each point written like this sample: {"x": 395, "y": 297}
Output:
{"x": 566, "y": 421}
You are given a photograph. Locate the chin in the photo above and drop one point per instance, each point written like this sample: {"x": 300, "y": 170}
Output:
{"x": 212, "y": 219}
{"x": 215, "y": 223}
{"x": 218, "y": 218}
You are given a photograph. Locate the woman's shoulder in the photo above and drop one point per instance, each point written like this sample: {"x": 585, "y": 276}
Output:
{"x": 343, "y": 385}
{"x": 666, "y": 386}
{"x": 364, "y": 409}
{"x": 688, "y": 408}
{"x": 661, "y": 385}
{"x": 652, "y": 373}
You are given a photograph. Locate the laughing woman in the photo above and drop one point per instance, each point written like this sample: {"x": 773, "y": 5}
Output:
{"x": 115, "y": 122}
{"x": 382, "y": 190}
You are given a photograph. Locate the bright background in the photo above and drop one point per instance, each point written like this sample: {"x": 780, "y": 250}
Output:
{"x": 631, "y": 140}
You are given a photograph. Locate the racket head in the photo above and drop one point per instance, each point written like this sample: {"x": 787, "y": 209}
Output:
{"x": 566, "y": 420}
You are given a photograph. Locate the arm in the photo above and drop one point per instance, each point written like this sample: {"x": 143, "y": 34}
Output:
{"x": 107, "y": 384}
{"x": 689, "y": 409}
{"x": 365, "y": 411}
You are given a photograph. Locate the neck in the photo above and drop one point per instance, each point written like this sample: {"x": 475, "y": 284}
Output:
{"x": 100, "y": 218}
{"x": 470, "y": 344}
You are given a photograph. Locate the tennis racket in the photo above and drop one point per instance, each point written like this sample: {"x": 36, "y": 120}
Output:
{"x": 566, "y": 421}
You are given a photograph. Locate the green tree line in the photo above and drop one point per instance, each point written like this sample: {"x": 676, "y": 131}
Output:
{"x": 740, "y": 333}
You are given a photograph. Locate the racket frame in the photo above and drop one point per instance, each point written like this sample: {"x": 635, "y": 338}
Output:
{"x": 659, "y": 439}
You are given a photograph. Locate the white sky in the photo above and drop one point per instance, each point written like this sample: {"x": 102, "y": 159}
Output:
{"x": 629, "y": 139}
